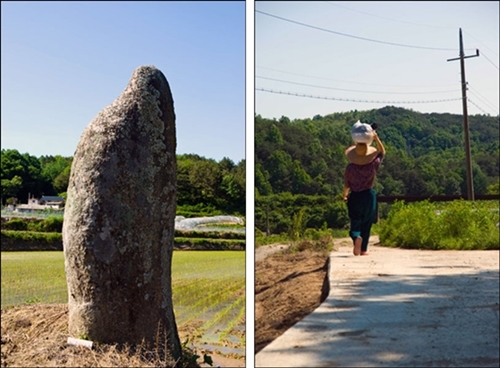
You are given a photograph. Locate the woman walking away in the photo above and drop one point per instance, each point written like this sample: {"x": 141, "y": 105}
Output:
{"x": 359, "y": 177}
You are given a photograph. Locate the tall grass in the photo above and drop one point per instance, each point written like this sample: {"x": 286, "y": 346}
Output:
{"x": 459, "y": 225}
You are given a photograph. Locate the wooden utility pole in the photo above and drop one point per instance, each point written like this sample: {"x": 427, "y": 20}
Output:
{"x": 470, "y": 184}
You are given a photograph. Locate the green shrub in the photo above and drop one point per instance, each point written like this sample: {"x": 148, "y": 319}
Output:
{"x": 16, "y": 224}
{"x": 52, "y": 225}
{"x": 209, "y": 234}
{"x": 32, "y": 235}
{"x": 199, "y": 210}
{"x": 452, "y": 225}
{"x": 206, "y": 243}
{"x": 470, "y": 226}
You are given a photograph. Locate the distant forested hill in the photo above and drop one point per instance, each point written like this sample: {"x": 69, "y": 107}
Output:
{"x": 425, "y": 153}
{"x": 203, "y": 184}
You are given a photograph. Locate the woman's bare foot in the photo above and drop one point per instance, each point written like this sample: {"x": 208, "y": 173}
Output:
{"x": 364, "y": 253}
{"x": 357, "y": 245}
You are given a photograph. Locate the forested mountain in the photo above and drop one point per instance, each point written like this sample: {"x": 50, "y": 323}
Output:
{"x": 201, "y": 183}
{"x": 425, "y": 153}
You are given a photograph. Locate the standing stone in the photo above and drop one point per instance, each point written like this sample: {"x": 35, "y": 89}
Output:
{"x": 119, "y": 218}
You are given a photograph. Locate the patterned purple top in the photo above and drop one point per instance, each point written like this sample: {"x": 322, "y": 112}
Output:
{"x": 362, "y": 177}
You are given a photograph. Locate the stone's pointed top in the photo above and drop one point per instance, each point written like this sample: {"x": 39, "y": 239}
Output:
{"x": 147, "y": 69}
{"x": 147, "y": 75}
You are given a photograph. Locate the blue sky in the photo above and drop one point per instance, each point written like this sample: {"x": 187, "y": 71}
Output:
{"x": 63, "y": 62}
{"x": 301, "y": 60}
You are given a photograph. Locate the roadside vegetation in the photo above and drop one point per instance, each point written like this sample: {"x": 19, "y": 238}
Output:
{"x": 458, "y": 225}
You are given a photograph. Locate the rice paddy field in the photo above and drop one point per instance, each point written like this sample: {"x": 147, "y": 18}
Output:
{"x": 208, "y": 291}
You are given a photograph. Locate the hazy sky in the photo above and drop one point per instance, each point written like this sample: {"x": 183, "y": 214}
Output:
{"x": 303, "y": 60}
{"x": 63, "y": 62}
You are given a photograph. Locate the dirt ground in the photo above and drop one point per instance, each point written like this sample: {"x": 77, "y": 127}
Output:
{"x": 288, "y": 286}
{"x": 36, "y": 335}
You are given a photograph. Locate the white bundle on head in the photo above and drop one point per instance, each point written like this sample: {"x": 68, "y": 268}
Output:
{"x": 362, "y": 133}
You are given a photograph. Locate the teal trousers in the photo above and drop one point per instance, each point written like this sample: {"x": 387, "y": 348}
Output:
{"x": 362, "y": 211}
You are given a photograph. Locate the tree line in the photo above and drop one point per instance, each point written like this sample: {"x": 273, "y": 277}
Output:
{"x": 203, "y": 184}
{"x": 425, "y": 156}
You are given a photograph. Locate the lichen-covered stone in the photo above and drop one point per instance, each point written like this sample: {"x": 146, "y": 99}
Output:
{"x": 119, "y": 218}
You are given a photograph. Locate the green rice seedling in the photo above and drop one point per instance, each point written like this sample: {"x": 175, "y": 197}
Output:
{"x": 216, "y": 278}
{"x": 196, "y": 302}
{"x": 203, "y": 282}
{"x": 237, "y": 320}
{"x": 33, "y": 276}
{"x": 208, "y": 265}
{"x": 209, "y": 302}
{"x": 222, "y": 318}
{"x": 218, "y": 293}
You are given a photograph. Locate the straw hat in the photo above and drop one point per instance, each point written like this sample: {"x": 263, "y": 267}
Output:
{"x": 362, "y": 153}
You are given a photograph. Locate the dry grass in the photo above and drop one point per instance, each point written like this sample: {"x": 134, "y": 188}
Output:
{"x": 36, "y": 335}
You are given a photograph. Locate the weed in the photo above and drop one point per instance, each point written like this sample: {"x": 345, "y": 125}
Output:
{"x": 298, "y": 225}
{"x": 32, "y": 300}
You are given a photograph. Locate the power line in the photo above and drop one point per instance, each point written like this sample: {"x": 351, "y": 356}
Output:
{"x": 350, "y": 90}
{"x": 496, "y": 53}
{"x": 352, "y": 100}
{"x": 482, "y": 97}
{"x": 352, "y": 36}
{"x": 483, "y": 55}
{"x": 394, "y": 20}
{"x": 468, "y": 99}
{"x": 343, "y": 81}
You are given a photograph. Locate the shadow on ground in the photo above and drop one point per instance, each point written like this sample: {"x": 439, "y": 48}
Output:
{"x": 399, "y": 320}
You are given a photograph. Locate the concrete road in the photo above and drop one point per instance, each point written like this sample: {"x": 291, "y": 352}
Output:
{"x": 399, "y": 308}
